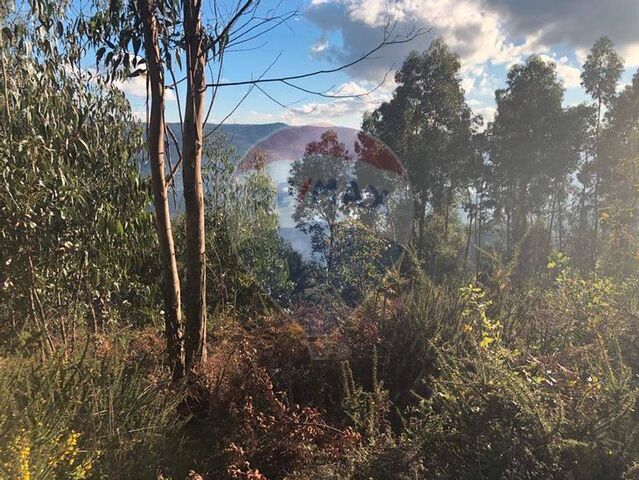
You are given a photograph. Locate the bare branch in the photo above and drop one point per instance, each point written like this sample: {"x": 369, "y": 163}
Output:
{"x": 229, "y": 25}
{"x": 409, "y": 38}
{"x": 242, "y": 99}
{"x": 215, "y": 90}
{"x": 177, "y": 97}
{"x": 170, "y": 180}
{"x": 336, "y": 95}
{"x": 215, "y": 129}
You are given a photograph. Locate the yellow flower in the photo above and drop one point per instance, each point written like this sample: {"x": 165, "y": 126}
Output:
{"x": 22, "y": 449}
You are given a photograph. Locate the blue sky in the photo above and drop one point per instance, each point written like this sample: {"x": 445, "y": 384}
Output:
{"x": 489, "y": 36}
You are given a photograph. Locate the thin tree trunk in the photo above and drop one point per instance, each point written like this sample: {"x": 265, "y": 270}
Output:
{"x": 447, "y": 211}
{"x": 35, "y": 299}
{"x": 551, "y": 222}
{"x": 478, "y": 236}
{"x": 171, "y": 279}
{"x": 520, "y": 220}
{"x": 582, "y": 209}
{"x": 6, "y": 87}
{"x": 470, "y": 229}
{"x": 595, "y": 219}
{"x": 508, "y": 230}
{"x": 421, "y": 216}
{"x": 560, "y": 225}
{"x": 195, "y": 300}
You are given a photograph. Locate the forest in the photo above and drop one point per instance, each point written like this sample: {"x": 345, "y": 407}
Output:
{"x": 465, "y": 306}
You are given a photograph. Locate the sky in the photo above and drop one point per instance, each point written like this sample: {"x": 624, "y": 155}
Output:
{"x": 488, "y": 35}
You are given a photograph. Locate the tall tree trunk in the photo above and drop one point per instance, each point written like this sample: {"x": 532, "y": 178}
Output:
{"x": 582, "y": 209}
{"x": 478, "y": 234}
{"x": 508, "y": 230}
{"x": 171, "y": 279}
{"x": 520, "y": 220}
{"x": 595, "y": 233}
{"x": 449, "y": 201}
{"x": 560, "y": 225}
{"x": 195, "y": 298}
{"x": 421, "y": 220}
{"x": 469, "y": 232}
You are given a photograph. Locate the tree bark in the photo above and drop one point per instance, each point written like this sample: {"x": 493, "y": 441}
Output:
{"x": 470, "y": 227}
{"x": 551, "y": 222}
{"x": 170, "y": 277}
{"x": 595, "y": 233}
{"x": 447, "y": 211}
{"x": 421, "y": 220}
{"x": 520, "y": 220}
{"x": 195, "y": 298}
{"x": 478, "y": 234}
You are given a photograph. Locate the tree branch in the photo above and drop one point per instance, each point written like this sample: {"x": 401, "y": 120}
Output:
{"x": 363, "y": 57}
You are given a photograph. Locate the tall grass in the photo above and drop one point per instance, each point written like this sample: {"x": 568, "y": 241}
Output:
{"x": 93, "y": 416}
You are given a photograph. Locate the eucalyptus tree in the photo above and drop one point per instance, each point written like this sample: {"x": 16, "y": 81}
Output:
{"x": 619, "y": 159}
{"x": 599, "y": 77}
{"x": 429, "y": 125}
{"x": 567, "y": 209}
{"x": 320, "y": 183}
{"x": 531, "y": 148}
{"x": 149, "y": 25}
{"x": 164, "y": 32}
{"x": 477, "y": 204}
{"x": 74, "y": 223}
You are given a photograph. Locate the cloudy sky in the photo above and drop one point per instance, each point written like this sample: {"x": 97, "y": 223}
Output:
{"x": 488, "y": 35}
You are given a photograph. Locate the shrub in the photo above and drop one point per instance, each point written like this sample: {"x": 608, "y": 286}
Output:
{"x": 86, "y": 417}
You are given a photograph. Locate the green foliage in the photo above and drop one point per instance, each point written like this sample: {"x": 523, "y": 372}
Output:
{"x": 530, "y": 258}
{"x": 85, "y": 417}
{"x": 361, "y": 260}
{"x": 442, "y": 247}
{"x": 248, "y": 261}
{"x": 366, "y": 410}
{"x": 74, "y": 219}
{"x": 429, "y": 125}
{"x": 532, "y": 149}
{"x": 527, "y": 371}
{"x": 620, "y": 166}
{"x": 257, "y": 237}
{"x": 602, "y": 71}
{"x": 320, "y": 182}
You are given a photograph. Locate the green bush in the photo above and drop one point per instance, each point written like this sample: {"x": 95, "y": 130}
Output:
{"x": 86, "y": 417}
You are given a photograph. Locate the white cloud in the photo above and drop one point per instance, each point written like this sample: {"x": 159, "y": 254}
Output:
{"x": 475, "y": 80}
{"x": 468, "y": 84}
{"x": 488, "y": 84}
{"x": 262, "y": 117}
{"x": 581, "y": 54}
{"x": 477, "y": 33}
{"x": 482, "y": 32}
{"x": 630, "y": 54}
{"x": 319, "y": 46}
{"x": 139, "y": 115}
{"x": 360, "y": 97}
{"x": 622, "y": 86}
{"x": 487, "y": 113}
{"x": 569, "y": 74}
{"x": 136, "y": 87}
{"x": 566, "y": 72}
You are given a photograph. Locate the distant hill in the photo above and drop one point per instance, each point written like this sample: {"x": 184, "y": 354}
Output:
{"x": 288, "y": 144}
{"x": 240, "y": 136}
{"x": 281, "y": 142}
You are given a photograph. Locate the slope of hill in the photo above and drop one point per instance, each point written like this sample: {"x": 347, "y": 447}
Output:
{"x": 280, "y": 141}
